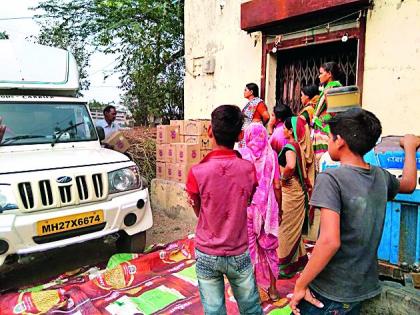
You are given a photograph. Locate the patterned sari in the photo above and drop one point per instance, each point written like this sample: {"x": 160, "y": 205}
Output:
{"x": 320, "y": 124}
{"x": 295, "y": 201}
{"x": 249, "y": 111}
{"x": 263, "y": 211}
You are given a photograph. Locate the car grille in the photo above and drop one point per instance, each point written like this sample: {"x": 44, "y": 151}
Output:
{"x": 48, "y": 193}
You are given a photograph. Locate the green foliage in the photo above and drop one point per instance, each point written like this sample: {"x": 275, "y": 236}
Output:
{"x": 94, "y": 104}
{"x": 147, "y": 37}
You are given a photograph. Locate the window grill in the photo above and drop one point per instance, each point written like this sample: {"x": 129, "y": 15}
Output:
{"x": 300, "y": 66}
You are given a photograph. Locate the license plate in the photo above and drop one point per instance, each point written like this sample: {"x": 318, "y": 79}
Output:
{"x": 70, "y": 222}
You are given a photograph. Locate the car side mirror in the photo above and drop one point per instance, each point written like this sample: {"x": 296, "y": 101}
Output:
{"x": 101, "y": 133}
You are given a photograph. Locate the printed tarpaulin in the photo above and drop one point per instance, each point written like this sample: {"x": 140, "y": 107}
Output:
{"x": 162, "y": 281}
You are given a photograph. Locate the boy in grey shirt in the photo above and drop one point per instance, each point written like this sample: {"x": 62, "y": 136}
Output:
{"x": 342, "y": 271}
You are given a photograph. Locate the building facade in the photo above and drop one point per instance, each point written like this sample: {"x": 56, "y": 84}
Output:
{"x": 280, "y": 44}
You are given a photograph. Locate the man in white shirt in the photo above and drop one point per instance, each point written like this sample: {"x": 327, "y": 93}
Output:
{"x": 108, "y": 123}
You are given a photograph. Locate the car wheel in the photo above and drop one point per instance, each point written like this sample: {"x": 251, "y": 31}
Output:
{"x": 131, "y": 243}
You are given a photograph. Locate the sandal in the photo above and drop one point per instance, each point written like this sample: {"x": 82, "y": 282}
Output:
{"x": 273, "y": 296}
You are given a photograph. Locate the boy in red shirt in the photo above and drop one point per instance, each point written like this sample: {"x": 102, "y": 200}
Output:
{"x": 220, "y": 188}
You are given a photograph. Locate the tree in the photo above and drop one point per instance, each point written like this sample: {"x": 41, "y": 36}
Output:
{"x": 147, "y": 37}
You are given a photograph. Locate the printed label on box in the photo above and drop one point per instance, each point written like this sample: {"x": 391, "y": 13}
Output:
{"x": 161, "y": 151}
{"x": 171, "y": 171}
{"x": 191, "y": 139}
{"x": 188, "y": 153}
{"x": 160, "y": 170}
{"x": 196, "y": 127}
{"x": 171, "y": 153}
{"x": 180, "y": 124}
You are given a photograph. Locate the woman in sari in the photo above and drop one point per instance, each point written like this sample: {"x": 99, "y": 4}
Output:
{"x": 329, "y": 75}
{"x": 255, "y": 110}
{"x": 297, "y": 172}
{"x": 277, "y": 139}
{"x": 263, "y": 211}
{"x": 309, "y": 98}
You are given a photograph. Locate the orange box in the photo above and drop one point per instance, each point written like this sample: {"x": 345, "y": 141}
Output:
{"x": 161, "y": 151}
{"x": 203, "y": 153}
{"x": 182, "y": 170}
{"x": 118, "y": 142}
{"x": 167, "y": 134}
{"x": 160, "y": 170}
{"x": 179, "y": 123}
{"x": 187, "y": 153}
{"x": 171, "y": 154}
{"x": 196, "y": 127}
{"x": 171, "y": 171}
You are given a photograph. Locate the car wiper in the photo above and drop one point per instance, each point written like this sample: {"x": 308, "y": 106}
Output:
{"x": 22, "y": 137}
{"x": 60, "y": 133}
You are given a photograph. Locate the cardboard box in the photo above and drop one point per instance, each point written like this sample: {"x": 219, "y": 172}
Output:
{"x": 160, "y": 170}
{"x": 191, "y": 139}
{"x": 342, "y": 98}
{"x": 205, "y": 143}
{"x": 161, "y": 151}
{"x": 196, "y": 127}
{"x": 171, "y": 154}
{"x": 182, "y": 170}
{"x": 180, "y": 124}
{"x": 203, "y": 153}
{"x": 171, "y": 171}
{"x": 118, "y": 142}
{"x": 187, "y": 153}
{"x": 167, "y": 134}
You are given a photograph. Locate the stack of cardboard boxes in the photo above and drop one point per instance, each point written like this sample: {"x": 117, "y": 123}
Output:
{"x": 179, "y": 146}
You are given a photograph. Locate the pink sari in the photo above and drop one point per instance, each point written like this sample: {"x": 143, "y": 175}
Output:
{"x": 263, "y": 211}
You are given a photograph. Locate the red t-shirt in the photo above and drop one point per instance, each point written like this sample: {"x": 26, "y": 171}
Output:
{"x": 221, "y": 187}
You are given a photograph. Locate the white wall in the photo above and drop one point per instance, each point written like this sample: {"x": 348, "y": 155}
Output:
{"x": 391, "y": 87}
{"x": 210, "y": 31}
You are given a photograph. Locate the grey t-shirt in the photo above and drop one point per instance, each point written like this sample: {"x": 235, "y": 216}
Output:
{"x": 359, "y": 196}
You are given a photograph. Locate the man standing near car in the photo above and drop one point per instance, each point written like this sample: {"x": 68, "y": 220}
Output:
{"x": 108, "y": 123}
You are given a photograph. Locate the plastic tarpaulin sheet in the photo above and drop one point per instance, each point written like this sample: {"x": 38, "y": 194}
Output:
{"x": 162, "y": 281}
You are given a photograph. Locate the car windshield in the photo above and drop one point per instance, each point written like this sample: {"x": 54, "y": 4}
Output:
{"x": 46, "y": 123}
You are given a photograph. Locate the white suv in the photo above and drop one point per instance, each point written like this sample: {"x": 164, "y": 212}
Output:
{"x": 58, "y": 186}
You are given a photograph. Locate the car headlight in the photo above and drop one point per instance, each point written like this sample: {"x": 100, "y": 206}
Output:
{"x": 7, "y": 198}
{"x": 125, "y": 179}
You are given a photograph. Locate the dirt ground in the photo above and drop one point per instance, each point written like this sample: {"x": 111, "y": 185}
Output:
{"x": 40, "y": 267}
{"x": 165, "y": 229}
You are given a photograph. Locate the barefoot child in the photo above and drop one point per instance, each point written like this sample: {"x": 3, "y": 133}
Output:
{"x": 343, "y": 271}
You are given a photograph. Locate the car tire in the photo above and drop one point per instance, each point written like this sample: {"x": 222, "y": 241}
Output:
{"x": 135, "y": 243}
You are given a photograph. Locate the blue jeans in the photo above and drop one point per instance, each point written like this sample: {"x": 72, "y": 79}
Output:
{"x": 330, "y": 307}
{"x": 238, "y": 270}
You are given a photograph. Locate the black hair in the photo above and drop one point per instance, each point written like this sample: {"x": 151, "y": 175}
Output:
{"x": 360, "y": 129}
{"x": 254, "y": 88}
{"x": 108, "y": 108}
{"x": 282, "y": 111}
{"x": 288, "y": 123}
{"x": 335, "y": 70}
{"x": 226, "y": 123}
{"x": 310, "y": 90}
